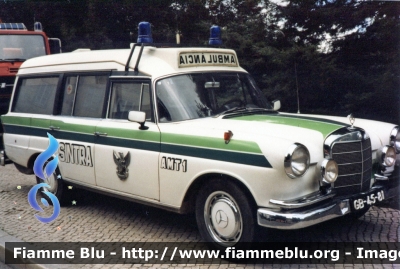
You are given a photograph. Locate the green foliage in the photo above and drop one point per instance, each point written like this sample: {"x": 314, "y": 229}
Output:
{"x": 360, "y": 72}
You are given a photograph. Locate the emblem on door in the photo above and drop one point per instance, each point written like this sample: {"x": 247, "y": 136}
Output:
{"x": 122, "y": 163}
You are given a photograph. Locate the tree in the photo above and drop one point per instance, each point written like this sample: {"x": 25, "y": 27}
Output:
{"x": 358, "y": 70}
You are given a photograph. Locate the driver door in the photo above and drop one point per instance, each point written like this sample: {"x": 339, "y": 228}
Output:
{"x": 126, "y": 157}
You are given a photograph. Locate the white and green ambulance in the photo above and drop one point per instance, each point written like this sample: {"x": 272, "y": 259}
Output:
{"x": 187, "y": 130}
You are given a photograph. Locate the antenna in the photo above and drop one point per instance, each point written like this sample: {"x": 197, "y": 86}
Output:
{"x": 297, "y": 88}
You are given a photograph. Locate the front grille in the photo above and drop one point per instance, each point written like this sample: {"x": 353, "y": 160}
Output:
{"x": 355, "y": 166}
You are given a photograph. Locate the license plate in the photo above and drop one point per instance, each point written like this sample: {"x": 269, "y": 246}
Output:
{"x": 368, "y": 200}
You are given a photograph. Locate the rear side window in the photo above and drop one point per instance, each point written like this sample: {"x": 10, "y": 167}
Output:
{"x": 84, "y": 95}
{"x": 36, "y": 95}
{"x": 90, "y": 96}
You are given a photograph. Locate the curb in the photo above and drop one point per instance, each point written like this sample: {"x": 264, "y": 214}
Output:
{"x": 31, "y": 264}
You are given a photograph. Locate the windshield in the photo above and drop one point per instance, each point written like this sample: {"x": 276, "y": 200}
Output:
{"x": 200, "y": 95}
{"x": 21, "y": 47}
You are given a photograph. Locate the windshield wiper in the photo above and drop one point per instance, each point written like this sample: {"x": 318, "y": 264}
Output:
{"x": 243, "y": 109}
{"x": 233, "y": 109}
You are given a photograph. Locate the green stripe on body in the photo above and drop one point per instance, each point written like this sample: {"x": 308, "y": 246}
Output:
{"x": 211, "y": 142}
{"x": 16, "y": 120}
{"x": 242, "y": 152}
{"x": 217, "y": 155}
{"x": 131, "y": 134}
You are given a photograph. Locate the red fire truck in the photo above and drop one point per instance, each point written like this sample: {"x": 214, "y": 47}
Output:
{"x": 18, "y": 44}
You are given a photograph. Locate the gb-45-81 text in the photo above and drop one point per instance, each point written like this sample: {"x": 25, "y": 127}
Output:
{"x": 369, "y": 199}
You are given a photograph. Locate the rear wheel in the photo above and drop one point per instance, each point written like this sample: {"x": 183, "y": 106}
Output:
{"x": 56, "y": 187}
{"x": 23, "y": 169}
{"x": 224, "y": 214}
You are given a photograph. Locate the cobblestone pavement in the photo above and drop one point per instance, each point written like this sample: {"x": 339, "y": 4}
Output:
{"x": 3, "y": 266}
{"x": 98, "y": 218}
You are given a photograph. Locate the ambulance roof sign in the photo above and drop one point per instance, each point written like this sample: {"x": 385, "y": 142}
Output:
{"x": 190, "y": 59}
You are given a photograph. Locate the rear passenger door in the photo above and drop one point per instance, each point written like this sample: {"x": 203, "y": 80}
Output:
{"x": 126, "y": 157}
{"x": 82, "y": 106}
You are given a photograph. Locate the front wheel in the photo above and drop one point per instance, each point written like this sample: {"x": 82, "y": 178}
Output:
{"x": 224, "y": 214}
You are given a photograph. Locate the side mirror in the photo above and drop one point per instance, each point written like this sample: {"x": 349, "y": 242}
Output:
{"x": 139, "y": 117}
{"x": 277, "y": 105}
{"x": 55, "y": 45}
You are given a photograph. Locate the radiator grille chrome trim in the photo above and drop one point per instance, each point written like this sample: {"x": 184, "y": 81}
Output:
{"x": 351, "y": 149}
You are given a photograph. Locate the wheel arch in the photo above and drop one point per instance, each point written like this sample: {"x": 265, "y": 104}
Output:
{"x": 189, "y": 200}
{"x": 28, "y": 169}
{"x": 32, "y": 160}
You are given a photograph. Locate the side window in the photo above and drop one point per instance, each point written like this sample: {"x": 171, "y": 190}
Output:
{"x": 36, "y": 95}
{"x": 89, "y": 96}
{"x": 127, "y": 96}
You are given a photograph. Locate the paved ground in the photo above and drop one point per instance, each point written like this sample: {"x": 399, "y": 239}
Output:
{"x": 98, "y": 218}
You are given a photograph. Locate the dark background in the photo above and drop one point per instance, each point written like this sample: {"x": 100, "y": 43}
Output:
{"x": 278, "y": 44}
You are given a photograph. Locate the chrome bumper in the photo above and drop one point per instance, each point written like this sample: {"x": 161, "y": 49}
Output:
{"x": 287, "y": 221}
{"x": 320, "y": 207}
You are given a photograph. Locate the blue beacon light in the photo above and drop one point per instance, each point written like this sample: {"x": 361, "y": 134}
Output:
{"x": 215, "y": 35}
{"x": 144, "y": 33}
{"x": 38, "y": 27}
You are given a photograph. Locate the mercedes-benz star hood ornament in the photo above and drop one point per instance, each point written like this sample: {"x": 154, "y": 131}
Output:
{"x": 351, "y": 119}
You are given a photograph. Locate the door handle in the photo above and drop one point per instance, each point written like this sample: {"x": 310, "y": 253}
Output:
{"x": 54, "y": 128}
{"x": 100, "y": 134}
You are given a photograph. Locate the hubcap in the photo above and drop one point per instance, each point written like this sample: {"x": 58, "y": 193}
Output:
{"x": 223, "y": 218}
{"x": 52, "y": 182}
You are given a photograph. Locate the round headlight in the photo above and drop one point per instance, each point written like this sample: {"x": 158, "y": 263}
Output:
{"x": 297, "y": 160}
{"x": 395, "y": 139}
{"x": 329, "y": 171}
{"x": 388, "y": 156}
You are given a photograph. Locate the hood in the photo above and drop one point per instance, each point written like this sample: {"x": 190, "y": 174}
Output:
{"x": 266, "y": 134}
{"x": 378, "y": 131}
{"x": 320, "y": 125}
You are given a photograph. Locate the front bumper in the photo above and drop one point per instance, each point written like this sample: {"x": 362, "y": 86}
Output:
{"x": 299, "y": 218}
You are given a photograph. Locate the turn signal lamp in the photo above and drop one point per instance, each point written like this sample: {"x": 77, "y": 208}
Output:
{"x": 144, "y": 33}
{"x": 228, "y": 136}
{"x": 215, "y": 35}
